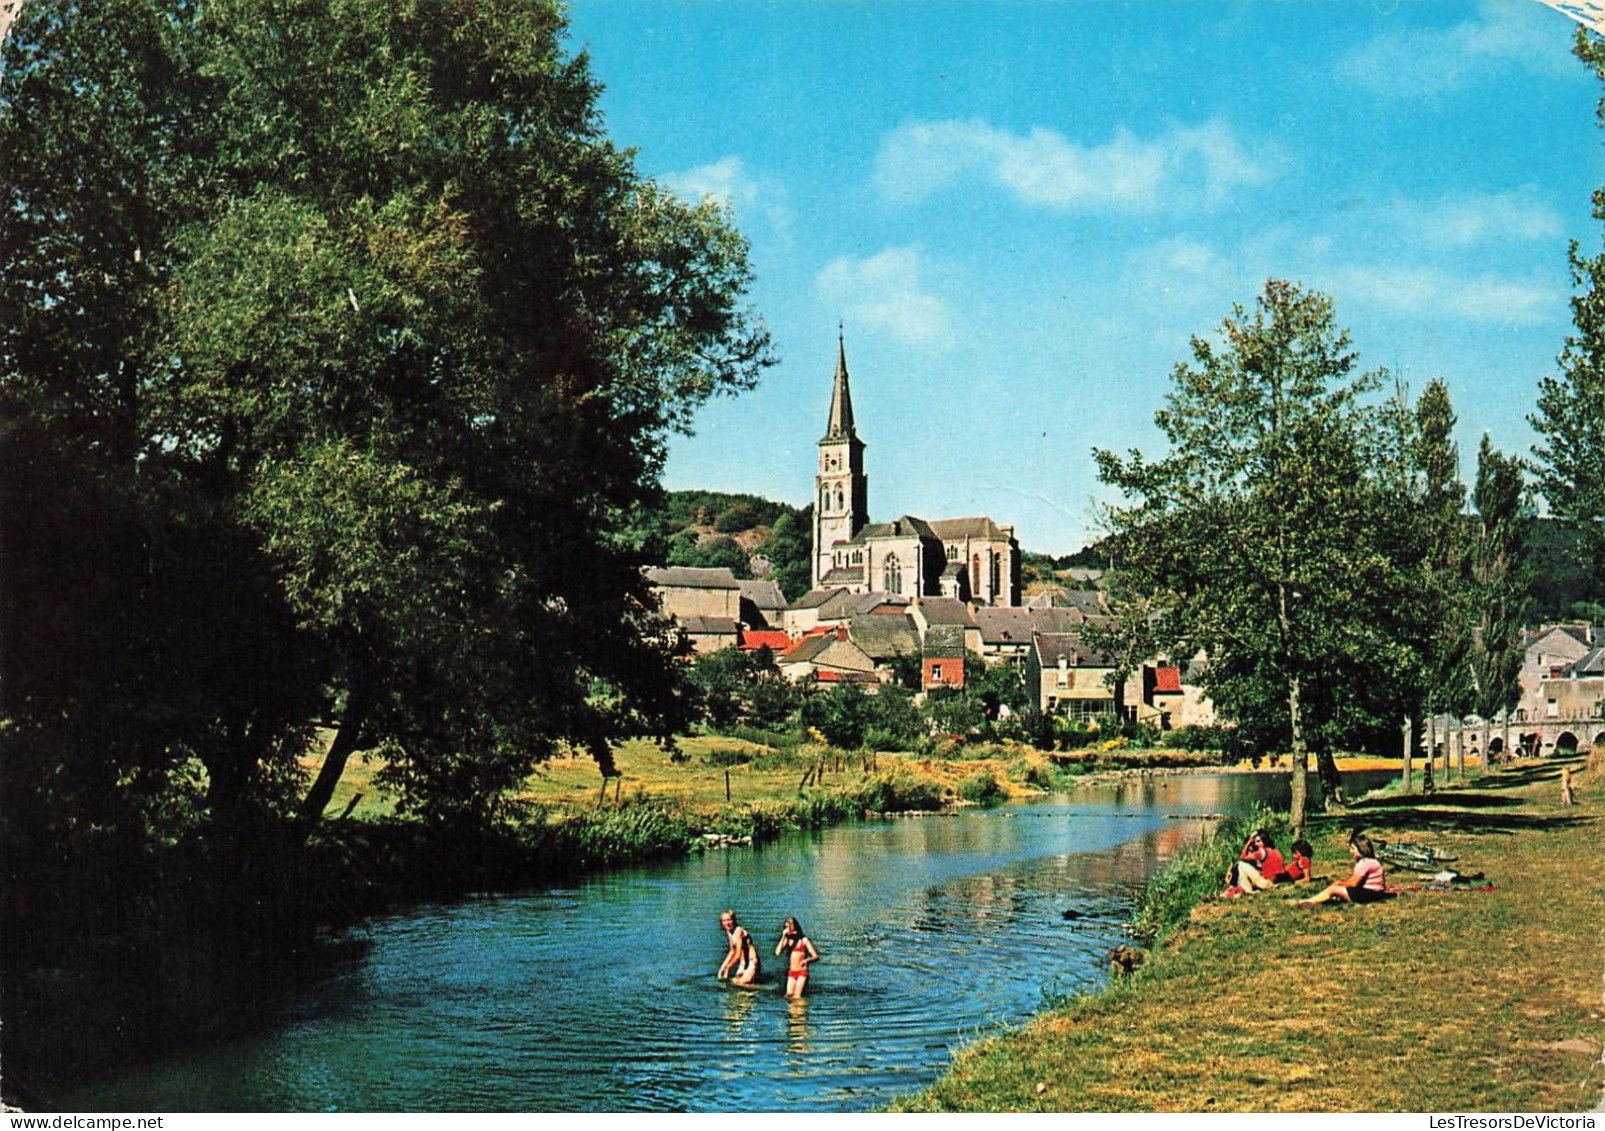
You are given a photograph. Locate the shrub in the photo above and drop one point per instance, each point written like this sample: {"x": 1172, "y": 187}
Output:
{"x": 981, "y": 788}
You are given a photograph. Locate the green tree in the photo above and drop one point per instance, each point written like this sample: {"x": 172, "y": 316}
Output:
{"x": 364, "y": 306}
{"x": 1500, "y": 580}
{"x": 1440, "y": 499}
{"x": 789, "y": 549}
{"x": 1266, "y": 534}
{"x": 1569, "y": 461}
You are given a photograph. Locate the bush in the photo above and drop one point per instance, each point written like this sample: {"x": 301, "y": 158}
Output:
{"x": 1199, "y": 738}
{"x": 981, "y": 788}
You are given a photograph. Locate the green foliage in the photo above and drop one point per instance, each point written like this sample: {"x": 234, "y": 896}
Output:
{"x": 1274, "y": 533}
{"x": 981, "y": 788}
{"x": 843, "y": 715}
{"x": 735, "y": 687}
{"x": 714, "y": 553}
{"x": 1499, "y": 581}
{"x": 789, "y": 549}
{"x": 1570, "y": 415}
{"x": 355, "y": 347}
{"x": 1200, "y": 738}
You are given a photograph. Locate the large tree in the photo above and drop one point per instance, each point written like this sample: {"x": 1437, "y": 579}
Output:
{"x": 355, "y": 341}
{"x": 1499, "y": 580}
{"x": 1268, "y": 534}
{"x": 1569, "y": 460}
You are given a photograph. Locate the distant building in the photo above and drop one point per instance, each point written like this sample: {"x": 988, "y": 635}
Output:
{"x": 1068, "y": 677}
{"x": 1563, "y": 674}
{"x": 967, "y": 559}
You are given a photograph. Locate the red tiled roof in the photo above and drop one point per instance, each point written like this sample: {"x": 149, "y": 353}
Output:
{"x": 777, "y": 642}
{"x": 825, "y": 675}
{"x": 1167, "y": 679}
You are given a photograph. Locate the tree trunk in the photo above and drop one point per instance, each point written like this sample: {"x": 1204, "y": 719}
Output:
{"x": 1460, "y": 751}
{"x": 1299, "y": 779}
{"x": 334, "y": 762}
{"x": 1331, "y": 780}
{"x": 1409, "y": 742}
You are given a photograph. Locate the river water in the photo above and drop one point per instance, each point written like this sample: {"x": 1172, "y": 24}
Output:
{"x": 601, "y": 996}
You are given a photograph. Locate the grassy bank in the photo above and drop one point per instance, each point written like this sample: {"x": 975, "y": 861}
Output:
{"x": 1446, "y": 1001}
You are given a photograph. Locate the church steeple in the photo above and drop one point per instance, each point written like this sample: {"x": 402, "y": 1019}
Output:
{"x": 840, "y": 425}
{"x": 841, "y": 489}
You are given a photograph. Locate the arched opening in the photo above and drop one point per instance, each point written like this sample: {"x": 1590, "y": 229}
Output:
{"x": 1496, "y": 746}
{"x": 892, "y": 574}
{"x": 841, "y": 499}
{"x": 1599, "y": 739}
{"x": 1566, "y": 743}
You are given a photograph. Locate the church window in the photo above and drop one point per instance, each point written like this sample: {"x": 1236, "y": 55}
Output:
{"x": 952, "y": 552}
{"x": 841, "y": 500}
{"x": 975, "y": 576}
{"x": 824, "y": 499}
{"x": 893, "y": 574}
{"x": 997, "y": 574}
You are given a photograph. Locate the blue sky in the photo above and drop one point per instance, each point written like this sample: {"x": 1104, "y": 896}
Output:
{"x": 1021, "y": 212}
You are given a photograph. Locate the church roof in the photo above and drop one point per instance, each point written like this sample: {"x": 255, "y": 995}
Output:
{"x": 952, "y": 529}
{"x": 906, "y": 526}
{"x": 844, "y": 575}
{"x": 840, "y": 425}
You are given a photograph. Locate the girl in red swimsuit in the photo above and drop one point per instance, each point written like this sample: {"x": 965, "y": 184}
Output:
{"x": 803, "y": 953}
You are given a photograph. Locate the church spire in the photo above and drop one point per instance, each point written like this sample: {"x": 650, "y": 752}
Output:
{"x": 841, "y": 399}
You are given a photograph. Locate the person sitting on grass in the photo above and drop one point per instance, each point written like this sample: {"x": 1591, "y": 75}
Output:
{"x": 1257, "y": 867}
{"x": 1298, "y": 868}
{"x": 1364, "y": 885}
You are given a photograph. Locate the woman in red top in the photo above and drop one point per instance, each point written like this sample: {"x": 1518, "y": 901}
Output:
{"x": 803, "y": 954}
{"x": 1260, "y": 864}
{"x": 1365, "y": 885}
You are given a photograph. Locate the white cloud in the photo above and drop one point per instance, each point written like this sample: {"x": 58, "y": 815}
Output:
{"x": 728, "y": 183}
{"x": 885, "y": 291}
{"x": 1443, "y": 294}
{"x": 1047, "y": 169}
{"x": 1464, "y": 221}
{"x": 1421, "y": 62}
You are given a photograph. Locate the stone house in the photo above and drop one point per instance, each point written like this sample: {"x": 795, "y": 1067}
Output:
{"x": 827, "y": 656}
{"x": 1550, "y": 658}
{"x": 942, "y": 653}
{"x": 1067, "y": 677}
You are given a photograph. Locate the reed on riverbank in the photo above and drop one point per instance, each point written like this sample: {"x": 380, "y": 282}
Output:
{"x": 1481, "y": 998}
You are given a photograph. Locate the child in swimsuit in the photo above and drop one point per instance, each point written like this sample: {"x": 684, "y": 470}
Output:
{"x": 741, "y": 963}
{"x": 803, "y": 953}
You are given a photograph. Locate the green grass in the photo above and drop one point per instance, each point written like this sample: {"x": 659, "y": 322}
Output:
{"x": 1431, "y": 1001}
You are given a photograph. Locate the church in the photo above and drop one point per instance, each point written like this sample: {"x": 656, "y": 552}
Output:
{"x": 971, "y": 559}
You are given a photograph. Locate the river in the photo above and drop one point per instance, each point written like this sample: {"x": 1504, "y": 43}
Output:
{"x": 600, "y": 996}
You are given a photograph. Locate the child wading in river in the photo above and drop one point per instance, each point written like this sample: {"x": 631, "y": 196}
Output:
{"x": 803, "y": 953}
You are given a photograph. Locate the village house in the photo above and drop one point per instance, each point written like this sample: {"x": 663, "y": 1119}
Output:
{"x": 1558, "y": 673}
{"x": 705, "y": 603}
{"x": 762, "y": 604}
{"x": 1067, "y": 677}
{"x": 827, "y": 656}
{"x": 1005, "y": 634}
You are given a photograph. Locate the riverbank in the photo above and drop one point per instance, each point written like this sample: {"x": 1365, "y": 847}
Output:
{"x": 1433, "y": 1000}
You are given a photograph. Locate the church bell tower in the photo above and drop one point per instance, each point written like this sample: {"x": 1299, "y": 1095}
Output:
{"x": 841, "y": 490}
